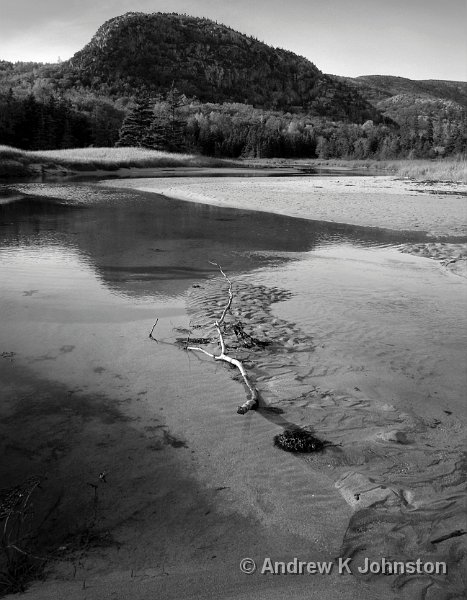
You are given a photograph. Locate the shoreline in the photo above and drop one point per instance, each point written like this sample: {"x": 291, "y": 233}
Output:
{"x": 368, "y": 201}
{"x": 381, "y": 201}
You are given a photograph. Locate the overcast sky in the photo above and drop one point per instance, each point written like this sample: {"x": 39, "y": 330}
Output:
{"x": 419, "y": 39}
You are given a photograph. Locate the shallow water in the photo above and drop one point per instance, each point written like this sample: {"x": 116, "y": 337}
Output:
{"x": 368, "y": 348}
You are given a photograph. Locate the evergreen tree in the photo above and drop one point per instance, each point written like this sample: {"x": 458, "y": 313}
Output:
{"x": 168, "y": 127}
{"x": 136, "y": 124}
{"x": 176, "y": 130}
{"x": 50, "y": 124}
{"x": 105, "y": 123}
{"x": 157, "y": 136}
{"x": 29, "y": 123}
{"x": 8, "y": 119}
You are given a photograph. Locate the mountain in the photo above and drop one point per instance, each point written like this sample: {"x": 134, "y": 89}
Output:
{"x": 180, "y": 83}
{"x": 399, "y": 98}
{"x": 139, "y": 52}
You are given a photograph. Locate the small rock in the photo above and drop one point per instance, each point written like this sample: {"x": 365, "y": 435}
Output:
{"x": 394, "y": 435}
{"x": 360, "y": 492}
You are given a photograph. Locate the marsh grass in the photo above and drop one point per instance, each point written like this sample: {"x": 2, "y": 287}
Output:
{"x": 422, "y": 170}
{"x": 16, "y": 162}
{"x": 440, "y": 170}
{"x": 24, "y": 527}
{"x": 449, "y": 170}
{"x": 18, "y": 563}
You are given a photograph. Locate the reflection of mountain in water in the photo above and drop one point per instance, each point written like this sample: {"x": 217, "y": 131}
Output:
{"x": 142, "y": 244}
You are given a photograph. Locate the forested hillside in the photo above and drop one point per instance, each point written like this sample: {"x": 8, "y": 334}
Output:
{"x": 378, "y": 88}
{"x": 211, "y": 62}
{"x": 400, "y": 99}
{"x": 176, "y": 82}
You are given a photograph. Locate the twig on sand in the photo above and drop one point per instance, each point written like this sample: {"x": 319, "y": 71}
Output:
{"x": 448, "y": 536}
{"x": 252, "y": 401}
{"x": 152, "y": 331}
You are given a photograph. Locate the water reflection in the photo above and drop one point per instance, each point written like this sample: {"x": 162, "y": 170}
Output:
{"x": 142, "y": 244}
{"x": 52, "y": 267}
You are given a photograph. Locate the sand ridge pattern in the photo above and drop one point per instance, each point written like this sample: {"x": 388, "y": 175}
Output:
{"x": 387, "y": 464}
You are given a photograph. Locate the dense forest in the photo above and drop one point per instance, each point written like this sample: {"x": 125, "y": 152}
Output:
{"x": 234, "y": 130}
{"x": 179, "y": 83}
{"x": 175, "y": 123}
{"x": 34, "y": 124}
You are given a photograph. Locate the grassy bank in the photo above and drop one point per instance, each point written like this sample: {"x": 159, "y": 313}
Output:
{"x": 24, "y": 163}
{"x": 425, "y": 170}
{"x": 420, "y": 170}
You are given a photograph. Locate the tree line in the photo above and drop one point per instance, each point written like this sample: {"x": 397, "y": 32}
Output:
{"x": 56, "y": 122}
{"x": 172, "y": 122}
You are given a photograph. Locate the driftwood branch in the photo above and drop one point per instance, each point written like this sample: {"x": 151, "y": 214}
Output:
{"x": 252, "y": 401}
{"x": 152, "y": 331}
{"x": 448, "y": 536}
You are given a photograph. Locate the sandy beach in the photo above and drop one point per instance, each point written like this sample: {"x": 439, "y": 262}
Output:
{"x": 366, "y": 350}
{"x": 438, "y": 209}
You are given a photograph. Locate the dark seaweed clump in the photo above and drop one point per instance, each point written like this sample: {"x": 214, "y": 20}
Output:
{"x": 246, "y": 339}
{"x": 298, "y": 440}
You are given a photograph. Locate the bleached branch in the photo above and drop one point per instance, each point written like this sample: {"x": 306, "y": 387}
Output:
{"x": 252, "y": 401}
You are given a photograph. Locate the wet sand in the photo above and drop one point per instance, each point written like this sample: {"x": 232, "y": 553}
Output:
{"x": 369, "y": 201}
{"x": 436, "y": 208}
{"x": 191, "y": 487}
{"x": 368, "y": 351}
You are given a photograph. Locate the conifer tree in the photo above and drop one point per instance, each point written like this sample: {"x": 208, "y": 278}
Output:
{"x": 156, "y": 136}
{"x": 136, "y": 124}
{"x": 167, "y": 129}
{"x": 28, "y": 124}
{"x": 175, "y": 134}
{"x": 8, "y": 119}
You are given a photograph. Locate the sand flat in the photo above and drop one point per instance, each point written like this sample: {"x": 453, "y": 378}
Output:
{"x": 373, "y": 201}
